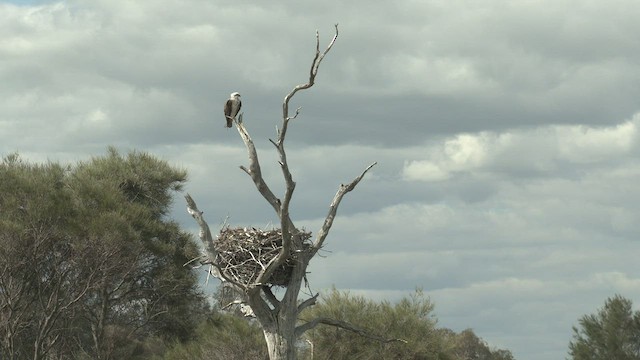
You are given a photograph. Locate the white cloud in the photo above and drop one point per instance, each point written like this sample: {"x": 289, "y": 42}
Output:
{"x": 552, "y": 246}
{"x": 543, "y": 149}
{"x": 588, "y": 144}
{"x": 424, "y": 170}
{"x": 506, "y": 182}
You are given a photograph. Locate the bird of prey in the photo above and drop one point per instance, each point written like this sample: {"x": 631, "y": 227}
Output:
{"x": 232, "y": 107}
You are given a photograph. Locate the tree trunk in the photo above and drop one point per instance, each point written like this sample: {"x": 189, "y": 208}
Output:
{"x": 281, "y": 342}
{"x": 279, "y": 318}
{"x": 279, "y": 327}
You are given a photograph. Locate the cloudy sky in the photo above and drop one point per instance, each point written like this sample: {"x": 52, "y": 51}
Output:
{"x": 506, "y": 134}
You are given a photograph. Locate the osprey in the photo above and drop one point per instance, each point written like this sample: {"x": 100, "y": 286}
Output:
{"x": 232, "y": 107}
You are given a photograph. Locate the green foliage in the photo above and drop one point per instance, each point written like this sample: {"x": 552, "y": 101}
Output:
{"x": 410, "y": 319}
{"x": 90, "y": 266}
{"x": 612, "y": 333}
{"x": 466, "y": 345}
{"x": 222, "y": 337}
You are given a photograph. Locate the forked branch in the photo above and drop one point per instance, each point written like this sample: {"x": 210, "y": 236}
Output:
{"x": 315, "y": 65}
{"x": 206, "y": 238}
{"x": 309, "y": 302}
{"x": 301, "y": 329}
{"x": 279, "y": 317}
{"x": 333, "y": 209}
{"x": 255, "y": 173}
{"x": 254, "y": 170}
{"x": 205, "y": 232}
{"x": 281, "y": 207}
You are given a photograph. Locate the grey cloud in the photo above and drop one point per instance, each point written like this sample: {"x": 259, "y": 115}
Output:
{"x": 516, "y": 239}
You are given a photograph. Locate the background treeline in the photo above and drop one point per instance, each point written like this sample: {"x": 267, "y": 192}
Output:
{"x": 92, "y": 267}
{"x": 229, "y": 336}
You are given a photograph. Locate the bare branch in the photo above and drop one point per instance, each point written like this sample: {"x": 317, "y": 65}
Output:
{"x": 278, "y": 317}
{"x": 333, "y": 208}
{"x": 315, "y": 64}
{"x": 254, "y": 170}
{"x": 255, "y": 173}
{"x": 279, "y": 259}
{"x": 259, "y": 305}
{"x": 245, "y": 309}
{"x": 281, "y": 207}
{"x": 205, "y": 232}
{"x": 207, "y": 240}
{"x": 234, "y": 302}
{"x": 197, "y": 258}
{"x": 309, "y": 302}
{"x": 271, "y": 298}
{"x": 296, "y": 114}
{"x": 301, "y": 329}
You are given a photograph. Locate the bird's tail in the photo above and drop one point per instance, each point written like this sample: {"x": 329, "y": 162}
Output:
{"x": 229, "y": 121}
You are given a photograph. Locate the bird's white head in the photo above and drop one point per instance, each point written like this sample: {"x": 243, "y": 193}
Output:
{"x": 235, "y": 94}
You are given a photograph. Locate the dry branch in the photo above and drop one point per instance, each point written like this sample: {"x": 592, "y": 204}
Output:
{"x": 301, "y": 329}
{"x": 244, "y": 253}
{"x": 254, "y": 170}
{"x": 281, "y": 207}
{"x": 207, "y": 240}
{"x": 205, "y": 232}
{"x": 255, "y": 260}
{"x": 315, "y": 65}
{"x": 309, "y": 302}
{"x": 333, "y": 208}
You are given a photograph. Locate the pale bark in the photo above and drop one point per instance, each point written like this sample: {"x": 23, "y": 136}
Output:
{"x": 333, "y": 209}
{"x": 280, "y": 317}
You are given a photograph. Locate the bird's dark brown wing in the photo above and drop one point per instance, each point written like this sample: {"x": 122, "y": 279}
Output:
{"x": 227, "y": 113}
{"x": 227, "y": 108}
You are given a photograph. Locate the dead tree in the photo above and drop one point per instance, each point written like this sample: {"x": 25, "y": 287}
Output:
{"x": 253, "y": 261}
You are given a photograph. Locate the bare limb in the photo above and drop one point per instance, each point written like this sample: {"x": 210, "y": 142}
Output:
{"x": 246, "y": 310}
{"x": 278, "y": 317}
{"x": 295, "y": 115}
{"x": 271, "y": 298}
{"x": 278, "y": 260}
{"x": 333, "y": 208}
{"x": 301, "y": 329}
{"x": 281, "y": 207}
{"x": 207, "y": 240}
{"x": 234, "y": 302}
{"x": 205, "y": 232}
{"x": 317, "y": 59}
{"x": 309, "y": 302}
{"x": 259, "y": 305}
{"x": 254, "y": 170}
{"x": 197, "y": 258}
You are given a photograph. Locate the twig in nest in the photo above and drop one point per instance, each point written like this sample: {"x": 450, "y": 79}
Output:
{"x": 243, "y": 252}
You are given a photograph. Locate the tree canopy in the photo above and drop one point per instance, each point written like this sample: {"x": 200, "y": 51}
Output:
{"x": 90, "y": 265}
{"x": 410, "y": 319}
{"x": 222, "y": 336}
{"x": 612, "y": 333}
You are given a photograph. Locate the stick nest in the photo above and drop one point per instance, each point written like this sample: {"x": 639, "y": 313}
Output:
{"x": 244, "y": 252}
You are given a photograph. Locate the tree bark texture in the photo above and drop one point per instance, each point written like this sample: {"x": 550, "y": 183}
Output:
{"x": 279, "y": 317}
